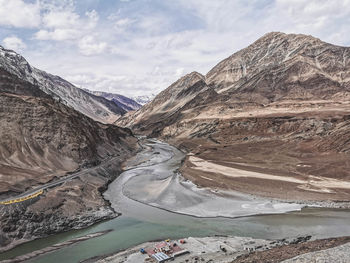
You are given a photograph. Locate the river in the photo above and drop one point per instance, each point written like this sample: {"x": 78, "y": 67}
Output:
{"x": 153, "y": 169}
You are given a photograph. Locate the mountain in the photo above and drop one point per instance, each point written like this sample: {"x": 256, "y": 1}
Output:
{"x": 97, "y": 108}
{"x": 43, "y": 140}
{"x": 278, "y": 107}
{"x": 166, "y": 106}
{"x": 121, "y": 101}
{"x": 143, "y": 99}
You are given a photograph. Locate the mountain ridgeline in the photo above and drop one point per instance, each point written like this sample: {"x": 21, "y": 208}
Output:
{"x": 95, "y": 107}
{"x": 281, "y": 105}
{"x": 278, "y": 72}
{"x": 121, "y": 101}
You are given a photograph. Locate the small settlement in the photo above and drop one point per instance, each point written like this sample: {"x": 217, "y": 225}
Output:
{"x": 164, "y": 251}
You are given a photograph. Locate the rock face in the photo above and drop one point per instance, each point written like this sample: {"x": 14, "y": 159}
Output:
{"x": 123, "y": 102}
{"x": 279, "y": 106}
{"x": 97, "y": 108}
{"x": 167, "y": 106}
{"x": 41, "y": 140}
{"x": 336, "y": 254}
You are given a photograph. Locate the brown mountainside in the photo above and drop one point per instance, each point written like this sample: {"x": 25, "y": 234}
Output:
{"x": 41, "y": 141}
{"x": 279, "y": 106}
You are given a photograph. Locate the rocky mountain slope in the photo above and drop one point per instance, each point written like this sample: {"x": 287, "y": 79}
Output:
{"x": 43, "y": 140}
{"x": 97, "y": 108}
{"x": 123, "y": 102}
{"x": 278, "y": 107}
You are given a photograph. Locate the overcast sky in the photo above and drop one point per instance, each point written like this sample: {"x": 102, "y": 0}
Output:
{"x": 137, "y": 47}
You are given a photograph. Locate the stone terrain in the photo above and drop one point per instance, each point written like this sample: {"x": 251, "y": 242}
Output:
{"x": 96, "y": 107}
{"x": 243, "y": 250}
{"x": 322, "y": 250}
{"x": 43, "y": 140}
{"x": 338, "y": 254}
{"x": 278, "y": 107}
{"x": 204, "y": 249}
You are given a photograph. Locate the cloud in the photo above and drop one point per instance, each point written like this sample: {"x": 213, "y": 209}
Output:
{"x": 324, "y": 19}
{"x": 141, "y": 47}
{"x": 93, "y": 18}
{"x": 122, "y": 84}
{"x": 58, "y": 34}
{"x": 17, "y": 13}
{"x": 89, "y": 46}
{"x": 60, "y": 19}
{"x": 124, "y": 23}
{"x": 62, "y": 24}
{"x": 14, "y": 43}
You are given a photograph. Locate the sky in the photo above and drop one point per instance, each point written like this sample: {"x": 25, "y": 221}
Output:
{"x": 140, "y": 47}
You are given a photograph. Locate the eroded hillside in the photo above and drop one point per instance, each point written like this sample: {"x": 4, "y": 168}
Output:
{"x": 41, "y": 141}
{"x": 278, "y": 107}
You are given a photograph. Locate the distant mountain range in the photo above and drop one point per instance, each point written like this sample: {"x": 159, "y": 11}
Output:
{"x": 123, "y": 102}
{"x": 97, "y": 108}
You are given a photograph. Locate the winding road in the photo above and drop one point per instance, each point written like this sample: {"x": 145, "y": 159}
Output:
{"x": 39, "y": 190}
{"x": 35, "y": 192}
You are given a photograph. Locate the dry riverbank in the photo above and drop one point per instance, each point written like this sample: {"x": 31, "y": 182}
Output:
{"x": 235, "y": 250}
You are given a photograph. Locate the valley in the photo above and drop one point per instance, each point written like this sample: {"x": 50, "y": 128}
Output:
{"x": 257, "y": 147}
{"x": 278, "y": 107}
{"x": 45, "y": 143}
{"x": 145, "y": 220}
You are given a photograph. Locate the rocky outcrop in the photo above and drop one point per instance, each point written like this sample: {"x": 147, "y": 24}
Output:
{"x": 76, "y": 204}
{"x": 166, "y": 107}
{"x": 302, "y": 250}
{"x": 337, "y": 254}
{"x": 95, "y": 107}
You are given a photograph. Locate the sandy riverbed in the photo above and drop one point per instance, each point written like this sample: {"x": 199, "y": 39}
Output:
{"x": 159, "y": 184}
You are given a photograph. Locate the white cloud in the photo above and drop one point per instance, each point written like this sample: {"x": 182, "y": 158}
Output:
{"x": 59, "y": 34}
{"x": 93, "y": 18}
{"x": 89, "y": 46}
{"x": 61, "y": 22}
{"x": 122, "y": 84}
{"x": 121, "y": 23}
{"x": 179, "y": 72}
{"x": 17, "y": 13}
{"x": 66, "y": 24}
{"x": 14, "y": 43}
{"x": 148, "y": 45}
{"x": 60, "y": 19}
